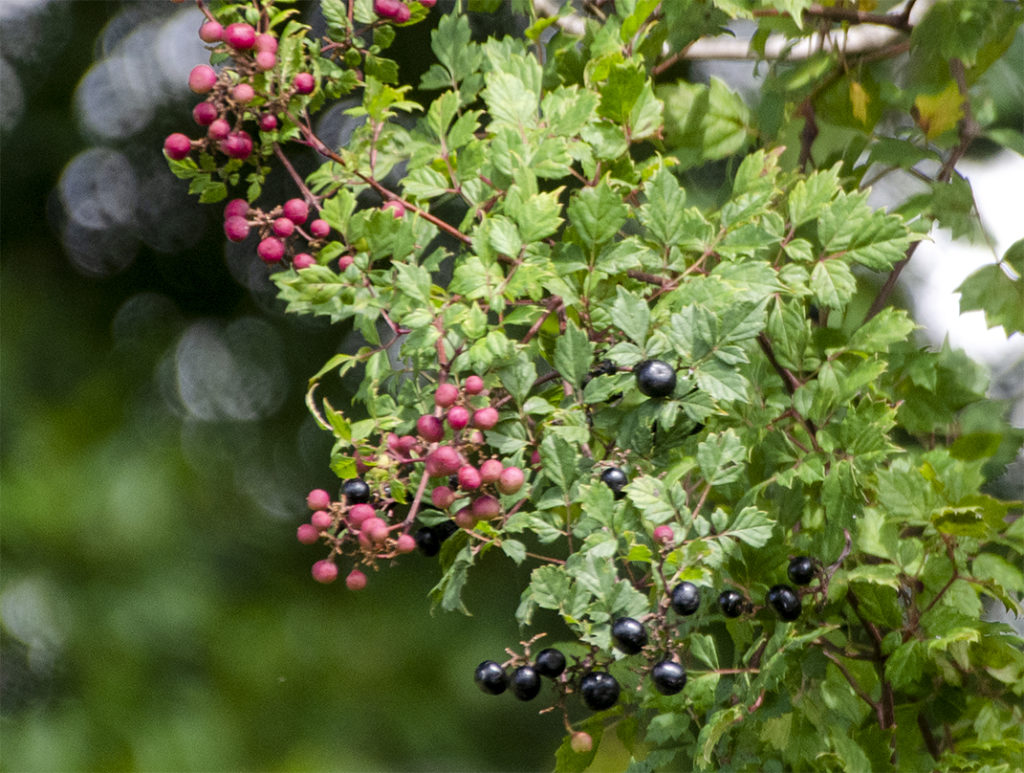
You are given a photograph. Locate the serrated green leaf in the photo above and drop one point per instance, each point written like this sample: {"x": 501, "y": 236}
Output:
{"x": 574, "y": 354}
{"x": 597, "y": 214}
{"x": 832, "y": 283}
{"x": 722, "y": 458}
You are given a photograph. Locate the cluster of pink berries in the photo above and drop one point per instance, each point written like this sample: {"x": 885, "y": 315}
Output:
{"x": 231, "y": 96}
{"x": 396, "y": 10}
{"x": 278, "y": 229}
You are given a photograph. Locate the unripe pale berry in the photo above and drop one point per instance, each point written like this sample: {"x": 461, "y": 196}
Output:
{"x": 446, "y": 395}
{"x": 321, "y": 520}
{"x": 211, "y": 32}
{"x": 204, "y": 113}
{"x": 395, "y": 10}
{"x": 325, "y": 571}
{"x": 490, "y": 470}
{"x": 581, "y": 743}
{"x": 442, "y": 497}
{"x": 218, "y": 130}
{"x": 236, "y": 208}
{"x": 476, "y": 438}
{"x": 405, "y": 543}
{"x": 664, "y": 534}
{"x": 243, "y": 93}
{"x": 240, "y": 36}
{"x": 282, "y": 226}
{"x": 177, "y": 146}
{"x": 304, "y": 83}
{"x": 430, "y": 428}
{"x": 356, "y": 580}
{"x": 465, "y": 519}
{"x": 485, "y": 418}
{"x": 359, "y": 514}
{"x": 237, "y": 145}
{"x": 510, "y": 480}
{"x": 344, "y": 262}
{"x": 296, "y": 210}
{"x": 319, "y": 228}
{"x": 202, "y": 79}
{"x": 473, "y": 385}
{"x": 469, "y": 477}
{"x": 458, "y": 417}
{"x": 396, "y": 207}
{"x": 265, "y": 60}
{"x": 236, "y": 229}
{"x": 375, "y": 529}
{"x": 265, "y": 42}
{"x": 307, "y": 534}
{"x": 270, "y": 250}
{"x": 485, "y": 507}
{"x": 318, "y": 499}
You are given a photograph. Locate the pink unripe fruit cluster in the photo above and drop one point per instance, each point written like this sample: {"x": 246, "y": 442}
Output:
{"x": 321, "y": 520}
{"x": 304, "y": 83}
{"x": 405, "y": 543}
{"x": 443, "y": 460}
{"x": 359, "y": 514}
{"x": 240, "y": 36}
{"x": 344, "y": 262}
{"x": 473, "y": 385}
{"x": 296, "y": 210}
{"x": 270, "y": 250}
{"x": 218, "y": 129}
{"x": 442, "y": 497}
{"x": 396, "y": 207}
{"x": 664, "y": 534}
{"x": 325, "y": 571}
{"x": 458, "y": 417}
{"x": 490, "y": 470}
{"x": 236, "y": 229}
{"x": 268, "y": 122}
{"x": 177, "y": 146}
{"x": 356, "y": 580}
{"x": 318, "y": 499}
{"x": 319, "y": 228}
{"x": 243, "y": 93}
{"x": 430, "y": 428}
{"x": 307, "y": 534}
{"x": 394, "y": 10}
{"x": 266, "y": 60}
{"x": 202, "y": 79}
{"x": 204, "y": 113}
{"x": 446, "y": 395}
{"x": 510, "y": 480}
{"x": 282, "y": 226}
{"x": 581, "y": 742}
{"x": 266, "y": 42}
{"x": 485, "y": 418}
{"x": 237, "y": 144}
{"x": 303, "y": 260}
{"x": 211, "y": 32}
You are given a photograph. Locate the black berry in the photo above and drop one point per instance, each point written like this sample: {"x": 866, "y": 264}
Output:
{"x": 355, "y": 491}
{"x": 491, "y": 677}
{"x": 600, "y": 690}
{"x": 525, "y": 683}
{"x": 427, "y": 541}
{"x": 549, "y": 662}
{"x": 655, "y": 378}
{"x": 801, "y": 570}
{"x": 785, "y": 601}
{"x": 630, "y": 635}
{"x": 731, "y": 602}
{"x": 669, "y": 677}
{"x": 685, "y": 598}
{"x": 615, "y": 479}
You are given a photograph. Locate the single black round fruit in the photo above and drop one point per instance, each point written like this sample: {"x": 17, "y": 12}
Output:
{"x": 491, "y": 677}
{"x": 355, "y": 491}
{"x": 615, "y": 479}
{"x": 785, "y": 601}
{"x": 600, "y": 690}
{"x": 525, "y": 683}
{"x": 629, "y": 635}
{"x": 427, "y": 541}
{"x": 655, "y": 378}
{"x": 549, "y": 662}
{"x": 801, "y": 570}
{"x": 731, "y": 602}
{"x": 445, "y": 529}
{"x": 669, "y": 677}
{"x": 685, "y": 598}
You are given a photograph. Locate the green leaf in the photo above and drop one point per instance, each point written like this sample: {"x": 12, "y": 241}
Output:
{"x": 559, "y": 462}
{"x": 574, "y": 353}
{"x": 597, "y": 214}
{"x": 993, "y": 290}
{"x": 722, "y": 458}
{"x": 631, "y": 315}
{"x": 832, "y": 283}
{"x": 726, "y": 123}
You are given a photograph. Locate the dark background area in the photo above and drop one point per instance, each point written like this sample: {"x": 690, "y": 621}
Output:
{"x": 157, "y": 612}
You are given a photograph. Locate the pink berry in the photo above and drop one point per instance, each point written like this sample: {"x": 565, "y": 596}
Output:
{"x": 218, "y": 130}
{"x": 375, "y": 529}
{"x": 510, "y": 480}
{"x": 307, "y": 534}
{"x": 406, "y": 443}
{"x": 282, "y": 226}
{"x": 397, "y": 208}
{"x": 177, "y": 146}
{"x": 236, "y": 229}
{"x": 243, "y": 93}
{"x": 265, "y": 60}
{"x": 430, "y": 428}
{"x": 395, "y": 10}
{"x": 476, "y": 438}
{"x": 458, "y": 417}
{"x": 535, "y": 458}
{"x": 581, "y": 742}
{"x": 268, "y": 122}
{"x": 446, "y": 395}
{"x": 318, "y": 499}
{"x": 303, "y": 260}
{"x": 236, "y": 208}
{"x": 442, "y": 497}
{"x": 319, "y": 228}
{"x": 464, "y": 519}
{"x": 325, "y": 571}
{"x": 321, "y": 520}
{"x": 344, "y": 262}
{"x": 485, "y": 418}
{"x": 270, "y": 249}
{"x": 469, "y": 477}
{"x": 204, "y": 113}
{"x": 296, "y": 210}
{"x": 356, "y": 580}
{"x": 490, "y": 470}
{"x": 359, "y": 514}
{"x": 428, "y": 3}
{"x": 236, "y": 145}
{"x": 211, "y": 32}
{"x": 240, "y": 36}
{"x": 304, "y": 83}
{"x": 265, "y": 42}
{"x": 202, "y": 79}
{"x": 406, "y": 543}
{"x": 664, "y": 534}
{"x": 485, "y": 507}
{"x": 443, "y": 460}
{"x": 473, "y": 385}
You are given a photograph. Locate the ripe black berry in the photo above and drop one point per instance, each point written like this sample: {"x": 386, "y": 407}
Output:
{"x": 549, "y": 662}
{"x": 525, "y": 683}
{"x": 731, "y": 602}
{"x": 785, "y": 601}
{"x": 427, "y": 541}
{"x": 630, "y": 635}
{"x": 615, "y": 479}
{"x": 600, "y": 690}
{"x": 655, "y": 378}
{"x": 355, "y": 491}
{"x": 491, "y": 677}
{"x": 801, "y": 570}
{"x": 669, "y": 677}
{"x": 685, "y": 598}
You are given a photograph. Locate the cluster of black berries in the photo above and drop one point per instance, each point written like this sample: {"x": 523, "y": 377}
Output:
{"x": 782, "y": 598}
